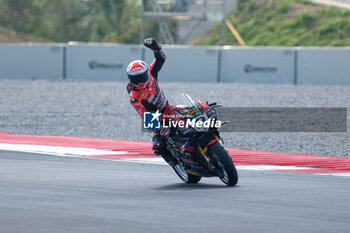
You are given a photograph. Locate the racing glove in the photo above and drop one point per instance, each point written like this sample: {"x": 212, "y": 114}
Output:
{"x": 156, "y": 48}
{"x": 152, "y": 44}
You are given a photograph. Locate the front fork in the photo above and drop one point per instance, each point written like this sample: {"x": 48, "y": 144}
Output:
{"x": 204, "y": 153}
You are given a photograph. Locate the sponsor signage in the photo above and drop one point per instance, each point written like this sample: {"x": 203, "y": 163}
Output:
{"x": 259, "y": 69}
{"x": 258, "y": 65}
{"x": 99, "y": 65}
{"x": 100, "y": 61}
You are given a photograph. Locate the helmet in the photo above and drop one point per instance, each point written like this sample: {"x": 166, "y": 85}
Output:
{"x": 137, "y": 72}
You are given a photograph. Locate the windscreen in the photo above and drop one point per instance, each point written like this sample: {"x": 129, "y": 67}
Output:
{"x": 185, "y": 99}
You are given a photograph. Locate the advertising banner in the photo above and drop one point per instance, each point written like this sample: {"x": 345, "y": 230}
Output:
{"x": 100, "y": 61}
{"x": 31, "y": 61}
{"x": 257, "y": 65}
{"x": 188, "y": 64}
{"x": 327, "y": 66}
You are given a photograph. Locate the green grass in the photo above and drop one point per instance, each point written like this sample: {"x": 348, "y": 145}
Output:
{"x": 284, "y": 23}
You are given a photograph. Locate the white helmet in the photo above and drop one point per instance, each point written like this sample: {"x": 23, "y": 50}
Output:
{"x": 138, "y": 72}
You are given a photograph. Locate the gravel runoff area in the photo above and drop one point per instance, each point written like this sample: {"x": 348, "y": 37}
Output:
{"x": 101, "y": 109}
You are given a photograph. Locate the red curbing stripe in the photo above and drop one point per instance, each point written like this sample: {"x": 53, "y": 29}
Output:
{"x": 124, "y": 156}
{"x": 142, "y": 148}
{"x": 322, "y": 164}
{"x": 313, "y": 171}
{"x": 331, "y": 164}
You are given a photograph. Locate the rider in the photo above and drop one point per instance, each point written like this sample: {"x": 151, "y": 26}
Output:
{"x": 146, "y": 95}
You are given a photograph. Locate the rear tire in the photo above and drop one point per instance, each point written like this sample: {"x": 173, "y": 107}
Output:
{"x": 224, "y": 162}
{"x": 185, "y": 176}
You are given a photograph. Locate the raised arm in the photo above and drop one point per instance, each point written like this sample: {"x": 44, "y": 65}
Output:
{"x": 159, "y": 56}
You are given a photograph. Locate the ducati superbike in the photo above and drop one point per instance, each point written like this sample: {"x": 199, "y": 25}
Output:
{"x": 198, "y": 147}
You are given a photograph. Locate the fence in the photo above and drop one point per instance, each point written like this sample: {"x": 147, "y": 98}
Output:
{"x": 31, "y": 61}
{"x": 265, "y": 65}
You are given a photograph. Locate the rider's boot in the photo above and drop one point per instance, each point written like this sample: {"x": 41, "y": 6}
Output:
{"x": 160, "y": 149}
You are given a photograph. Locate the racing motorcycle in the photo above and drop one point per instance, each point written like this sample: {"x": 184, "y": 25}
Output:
{"x": 198, "y": 147}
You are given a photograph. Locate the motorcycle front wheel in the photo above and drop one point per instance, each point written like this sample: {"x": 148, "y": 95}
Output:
{"x": 184, "y": 175}
{"x": 228, "y": 173}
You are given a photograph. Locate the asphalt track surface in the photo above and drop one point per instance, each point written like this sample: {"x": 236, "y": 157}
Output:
{"x": 101, "y": 109}
{"x": 43, "y": 193}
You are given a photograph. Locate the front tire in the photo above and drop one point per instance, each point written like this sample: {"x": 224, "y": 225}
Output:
{"x": 185, "y": 176}
{"x": 228, "y": 173}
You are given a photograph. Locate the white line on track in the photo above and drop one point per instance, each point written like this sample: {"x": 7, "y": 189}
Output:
{"x": 336, "y": 174}
{"x": 245, "y": 167}
{"x": 270, "y": 167}
{"x": 83, "y": 152}
{"x": 59, "y": 150}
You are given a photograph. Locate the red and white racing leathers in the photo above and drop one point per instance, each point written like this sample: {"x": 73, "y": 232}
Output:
{"x": 149, "y": 96}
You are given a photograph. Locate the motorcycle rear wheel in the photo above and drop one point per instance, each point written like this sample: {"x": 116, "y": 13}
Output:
{"x": 224, "y": 162}
{"x": 185, "y": 176}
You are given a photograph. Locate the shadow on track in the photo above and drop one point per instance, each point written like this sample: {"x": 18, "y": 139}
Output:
{"x": 184, "y": 186}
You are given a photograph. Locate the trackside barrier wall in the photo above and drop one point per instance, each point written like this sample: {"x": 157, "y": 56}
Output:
{"x": 323, "y": 66}
{"x": 188, "y": 64}
{"x": 258, "y": 65}
{"x": 100, "y": 61}
{"x": 265, "y": 65}
{"x": 31, "y": 61}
